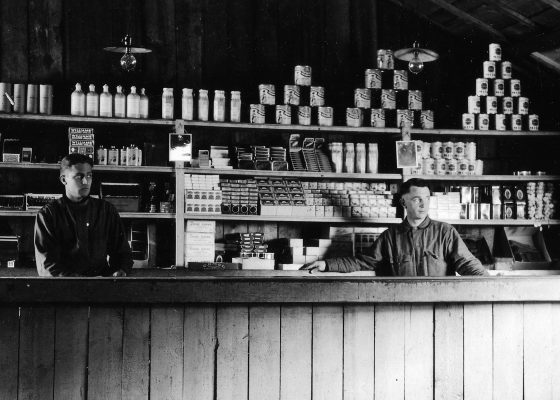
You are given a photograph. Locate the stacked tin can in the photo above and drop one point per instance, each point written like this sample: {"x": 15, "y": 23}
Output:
{"x": 447, "y": 158}
{"x": 498, "y": 103}
{"x": 302, "y": 103}
{"x": 540, "y": 200}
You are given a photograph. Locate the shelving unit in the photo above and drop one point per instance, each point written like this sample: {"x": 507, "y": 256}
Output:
{"x": 485, "y": 178}
{"x": 126, "y": 215}
{"x": 460, "y": 132}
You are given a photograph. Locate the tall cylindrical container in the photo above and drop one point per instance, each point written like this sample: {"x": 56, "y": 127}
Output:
{"x": 219, "y": 109}
{"x": 235, "y": 107}
{"x": 167, "y": 103}
{"x": 203, "y": 105}
{"x": 78, "y": 101}
{"x": 45, "y": 99}
{"x": 5, "y": 95}
{"x": 105, "y": 103}
{"x": 92, "y": 102}
{"x": 187, "y": 104}
{"x": 19, "y": 98}
{"x": 133, "y": 104}
{"x": 120, "y": 103}
{"x": 32, "y": 104}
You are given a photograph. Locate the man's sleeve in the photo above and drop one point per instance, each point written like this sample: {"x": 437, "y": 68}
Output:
{"x": 120, "y": 255}
{"x": 464, "y": 263}
{"x": 47, "y": 247}
{"x": 373, "y": 260}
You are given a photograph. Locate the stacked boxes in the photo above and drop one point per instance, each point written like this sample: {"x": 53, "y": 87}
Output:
{"x": 281, "y": 197}
{"x": 253, "y": 252}
{"x": 239, "y": 196}
{"x": 199, "y": 241}
{"x": 445, "y": 205}
{"x": 202, "y": 194}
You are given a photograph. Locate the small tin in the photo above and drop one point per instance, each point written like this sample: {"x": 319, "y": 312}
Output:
{"x": 523, "y": 106}
{"x": 257, "y": 113}
{"x": 474, "y": 104}
{"x": 489, "y": 69}
{"x": 267, "y": 94}
{"x": 283, "y": 114}
{"x": 32, "y": 103}
{"x": 388, "y": 99}
{"x": 427, "y": 119}
{"x": 515, "y": 88}
{"x": 291, "y": 95}
{"x": 45, "y": 99}
{"x": 302, "y": 75}
{"x": 481, "y": 87}
{"x": 447, "y": 152}
{"x": 472, "y": 167}
{"x": 429, "y": 166}
{"x": 317, "y": 96}
{"x": 491, "y": 105}
{"x": 122, "y": 156}
{"x": 458, "y": 150}
{"x": 470, "y": 151}
{"x": 507, "y": 105}
{"x": 494, "y": 52}
{"x": 373, "y": 78}
{"x": 354, "y": 117}
{"x": 441, "y": 166}
{"x": 325, "y": 116}
{"x": 101, "y": 155}
{"x": 404, "y": 118}
{"x": 362, "y": 98}
{"x": 5, "y": 92}
{"x": 113, "y": 156}
{"x": 508, "y": 210}
{"x": 378, "y": 118}
{"x": 505, "y": 70}
{"x": 415, "y": 100}
{"x": 304, "y": 115}
{"x": 463, "y": 166}
{"x": 451, "y": 167}
{"x": 516, "y": 122}
{"x": 400, "y": 79}
{"x": 479, "y": 169}
{"x": 468, "y": 122}
{"x": 500, "y": 122}
{"x": 385, "y": 59}
{"x": 483, "y": 122}
{"x": 436, "y": 150}
{"x": 499, "y": 87}
{"x": 533, "y": 122}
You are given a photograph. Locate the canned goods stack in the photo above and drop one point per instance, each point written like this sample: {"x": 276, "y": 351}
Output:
{"x": 498, "y": 103}
{"x": 447, "y": 158}
{"x": 26, "y": 98}
{"x": 130, "y": 156}
{"x": 540, "y": 200}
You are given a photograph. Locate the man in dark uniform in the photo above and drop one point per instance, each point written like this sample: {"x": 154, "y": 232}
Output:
{"x": 418, "y": 246}
{"x": 78, "y": 235}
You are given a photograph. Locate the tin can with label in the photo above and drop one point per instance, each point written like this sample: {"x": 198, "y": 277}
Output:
{"x": 400, "y": 79}
{"x": 447, "y": 152}
{"x": 122, "y": 156}
{"x": 483, "y": 122}
{"x": 533, "y": 122}
{"x": 429, "y": 166}
{"x": 404, "y": 118}
{"x": 499, "y": 87}
{"x": 494, "y": 52}
{"x": 113, "y": 156}
{"x": 257, "y": 113}
{"x": 507, "y": 105}
{"x": 451, "y": 167}
{"x": 491, "y": 105}
{"x": 481, "y": 87}
{"x": 283, "y": 114}
{"x": 470, "y": 151}
{"x": 462, "y": 166}
{"x": 500, "y": 122}
{"x": 458, "y": 150}
{"x": 489, "y": 69}
{"x": 302, "y": 75}
{"x": 373, "y": 78}
{"x": 291, "y": 95}
{"x": 426, "y": 149}
{"x": 505, "y": 70}
{"x": 362, "y": 98}
{"x": 427, "y": 119}
{"x": 474, "y": 105}
{"x": 325, "y": 116}
{"x": 441, "y": 166}
{"x": 317, "y": 96}
{"x": 132, "y": 155}
{"x": 523, "y": 106}
{"x": 468, "y": 122}
{"x": 436, "y": 150}
{"x": 479, "y": 168}
{"x": 388, "y": 99}
{"x": 304, "y": 115}
{"x": 472, "y": 167}
{"x": 516, "y": 122}
{"x": 515, "y": 88}
{"x": 267, "y": 94}
{"x": 385, "y": 59}
{"x": 101, "y": 155}
{"x": 414, "y": 100}
{"x": 5, "y": 91}
{"x": 354, "y": 117}
{"x": 378, "y": 118}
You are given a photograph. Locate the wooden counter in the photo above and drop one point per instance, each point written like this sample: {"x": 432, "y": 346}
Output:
{"x": 294, "y": 336}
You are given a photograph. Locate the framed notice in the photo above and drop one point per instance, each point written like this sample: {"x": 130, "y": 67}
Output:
{"x": 406, "y": 154}
{"x": 180, "y": 147}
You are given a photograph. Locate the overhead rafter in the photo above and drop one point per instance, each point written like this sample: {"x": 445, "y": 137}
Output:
{"x": 504, "y": 6}
{"x": 423, "y": 14}
{"x": 552, "y": 3}
{"x": 540, "y": 42}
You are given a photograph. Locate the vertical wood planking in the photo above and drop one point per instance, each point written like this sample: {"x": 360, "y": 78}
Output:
{"x": 215, "y": 74}
{"x": 327, "y": 352}
{"x": 508, "y": 351}
{"x": 199, "y": 353}
{"x": 9, "y": 344}
{"x": 166, "y": 374}
{"x": 419, "y": 351}
{"x": 190, "y": 28}
{"x": 555, "y": 350}
{"x": 478, "y": 351}
{"x": 160, "y": 30}
{"x": 105, "y": 353}
{"x": 136, "y": 353}
{"x": 295, "y": 352}
{"x": 14, "y": 41}
{"x": 264, "y": 352}
{"x": 312, "y": 38}
{"x": 36, "y": 349}
{"x": 289, "y": 28}
{"x": 45, "y": 41}
{"x": 240, "y": 31}
{"x": 448, "y": 351}
{"x": 265, "y": 48}
{"x": 232, "y": 357}
{"x": 537, "y": 357}
{"x": 389, "y": 351}
{"x": 359, "y": 352}
{"x": 70, "y": 353}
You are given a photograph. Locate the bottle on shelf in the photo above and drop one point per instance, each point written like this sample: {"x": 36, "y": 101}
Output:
{"x": 235, "y": 109}
{"x": 78, "y": 101}
{"x": 219, "y": 106}
{"x": 152, "y": 206}
{"x": 144, "y": 104}
{"x": 187, "y": 105}
{"x": 203, "y": 105}
{"x": 167, "y": 103}
{"x": 92, "y": 102}
{"x": 120, "y": 103}
{"x": 133, "y": 104}
{"x": 106, "y": 103}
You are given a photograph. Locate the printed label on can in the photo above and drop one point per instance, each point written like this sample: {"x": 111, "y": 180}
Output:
{"x": 463, "y": 166}
{"x": 414, "y": 100}
{"x": 429, "y": 166}
{"x": 373, "y": 79}
{"x": 354, "y": 117}
{"x": 378, "y": 117}
{"x": 516, "y": 122}
{"x": 472, "y": 167}
{"x": 441, "y": 166}
{"x": 448, "y": 150}
{"x": 304, "y": 115}
{"x": 302, "y": 75}
{"x": 102, "y": 156}
{"x": 437, "y": 150}
{"x": 404, "y": 118}
{"x": 388, "y": 99}
{"x": 499, "y": 88}
{"x": 122, "y": 156}
{"x": 506, "y": 70}
{"x": 385, "y": 59}
{"x": 523, "y": 106}
{"x": 325, "y": 116}
{"x": 283, "y": 114}
{"x": 256, "y": 113}
{"x": 515, "y": 85}
{"x": 500, "y": 122}
{"x": 362, "y": 98}
{"x": 400, "y": 79}
{"x": 489, "y": 69}
{"x": 291, "y": 95}
{"x": 317, "y": 96}
{"x": 458, "y": 150}
{"x": 495, "y": 52}
{"x": 468, "y": 121}
{"x": 483, "y": 122}
{"x": 533, "y": 122}
{"x": 491, "y": 105}
{"x": 267, "y": 94}
{"x": 427, "y": 119}
{"x": 507, "y": 105}
{"x": 474, "y": 104}
{"x": 481, "y": 87}
{"x": 113, "y": 157}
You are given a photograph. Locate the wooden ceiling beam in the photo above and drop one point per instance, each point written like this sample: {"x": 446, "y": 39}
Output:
{"x": 422, "y": 14}
{"x": 552, "y": 3}
{"x": 540, "y": 42}
{"x": 503, "y": 5}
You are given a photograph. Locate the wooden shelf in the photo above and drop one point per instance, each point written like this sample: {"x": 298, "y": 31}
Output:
{"x": 127, "y": 215}
{"x": 292, "y": 174}
{"x": 105, "y": 168}
{"x": 485, "y": 178}
{"x": 281, "y": 218}
{"x": 501, "y": 222}
{"x": 462, "y": 132}
{"x": 88, "y": 120}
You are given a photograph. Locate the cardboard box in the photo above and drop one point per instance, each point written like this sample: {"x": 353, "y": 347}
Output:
{"x": 521, "y": 247}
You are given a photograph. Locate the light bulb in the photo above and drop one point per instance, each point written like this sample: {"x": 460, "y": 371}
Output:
{"x": 128, "y": 62}
{"x": 415, "y": 65}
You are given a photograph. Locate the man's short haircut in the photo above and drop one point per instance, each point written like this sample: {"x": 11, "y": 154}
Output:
{"x": 418, "y": 182}
{"x": 73, "y": 159}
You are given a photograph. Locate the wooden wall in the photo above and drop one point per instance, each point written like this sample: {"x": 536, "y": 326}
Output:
{"x": 384, "y": 351}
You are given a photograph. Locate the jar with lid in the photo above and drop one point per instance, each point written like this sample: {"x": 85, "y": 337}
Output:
{"x": 187, "y": 105}
{"x": 167, "y": 103}
{"x": 120, "y": 103}
{"x": 78, "y": 101}
{"x": 133, "y": 104}
{"x": 219, "y": 106}
{"x": 203, "y": 105}
{"x": 235, "y": 109}
{"x": 106, "y": 103}
{"x": 92, "y": 102}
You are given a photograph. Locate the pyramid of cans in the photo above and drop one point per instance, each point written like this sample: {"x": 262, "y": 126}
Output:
{"x": 447, "y": 158}
{"x": 303, "y": 104}
{"x": 386, "y": 100}
{"x": 498, "y": 103}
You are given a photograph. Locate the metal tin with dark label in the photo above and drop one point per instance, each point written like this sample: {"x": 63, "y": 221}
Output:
{"x": 458, "y": 150}
{"x": 385, "y": 59}
{"x": 427, "y": 119}
{"x": 400, "y": 79}
{"x": 441, "y": 166}
{"x": 451, "y": 167}
{"x": 317, "y": 96}
{"x": 325, "y": 116}
{"x": 304, "y": 115}
{"x": 507, "y": 105}
{"x": 415, "y": 100}
{"x": 429, "y": 166}
{"x": 516, "y": 122}
{"x": 291, "y": 95}
{"x": 499, "y": 87}
{"x": 523, "y": 106}
{"x": 354, "y": 117}
{"x": 378, "y": 118}
{"x": 362, "y": 98}
{"x": 481, "y": 87}
{"x": 494, "y": 52}
{"x": 472, "y": 167}
{"x": 267, "y": 94}
{"x": 388, "y": 99}
{"x": 436, "y": 150}
{"x": 515, "y": 88}
{"x": 491, "y": 105}
{"x": 373, "y": 78}
{"x": 500, "y": 122}
{"x": 468, "y": 122}
{"x": 508, "y": 210}
{"x": 483, "y": 122}
{"x": 505, "y": 70}
{"x": 489, "y": 69}
{"x": 447, "y": 152}
{"x": 473, "y": 104}
{"x": 302, "y": 75}
{"x": 257, "y": 113}
{"x": 462, "y": 166}
{"x": 533, "y": 122}
{"x": 507, "y": 193}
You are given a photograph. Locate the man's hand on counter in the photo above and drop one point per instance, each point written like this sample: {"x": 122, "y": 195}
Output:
{"x": 320, "y": 266}
{"x": 120, "y": 272}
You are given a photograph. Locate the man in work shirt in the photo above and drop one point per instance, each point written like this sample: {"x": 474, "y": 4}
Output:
{"x": 76, "y": 234}
{"x": 418, "y": 246}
